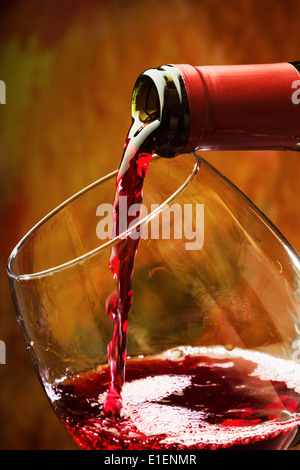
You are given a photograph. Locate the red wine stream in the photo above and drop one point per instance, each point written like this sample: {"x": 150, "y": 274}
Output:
{"x": 137, "y": 154}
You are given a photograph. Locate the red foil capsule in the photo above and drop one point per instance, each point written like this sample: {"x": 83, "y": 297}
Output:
{"x": 242, "y": 106}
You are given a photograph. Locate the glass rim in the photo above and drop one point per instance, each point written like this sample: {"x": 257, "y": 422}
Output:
{"x": 80, "y": 259}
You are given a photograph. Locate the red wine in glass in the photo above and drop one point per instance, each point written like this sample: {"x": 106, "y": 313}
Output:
{"x": 189, "y": 398}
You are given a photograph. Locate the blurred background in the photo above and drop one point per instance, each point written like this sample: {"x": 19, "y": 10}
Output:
{"x": 69, "y": 68}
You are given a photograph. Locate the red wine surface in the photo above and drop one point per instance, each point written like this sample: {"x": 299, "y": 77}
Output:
{"x": 189, "y": 398}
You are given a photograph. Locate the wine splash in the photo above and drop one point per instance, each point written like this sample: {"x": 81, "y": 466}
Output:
{"x": 137, "y": 154}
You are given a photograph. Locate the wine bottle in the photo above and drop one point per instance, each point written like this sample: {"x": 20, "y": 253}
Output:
{"x": 220, "y": 107}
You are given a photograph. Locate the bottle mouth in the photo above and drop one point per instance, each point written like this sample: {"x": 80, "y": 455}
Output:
{"x": 145, "y": 101}
{"x": 160, "y": 94}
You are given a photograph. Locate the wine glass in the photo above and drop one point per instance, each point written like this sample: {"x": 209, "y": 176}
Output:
{"x": 213, "y": 332}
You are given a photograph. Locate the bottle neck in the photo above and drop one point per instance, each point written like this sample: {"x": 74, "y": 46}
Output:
{"x": 220, "y": 107}
{"x": 160, "y": 94}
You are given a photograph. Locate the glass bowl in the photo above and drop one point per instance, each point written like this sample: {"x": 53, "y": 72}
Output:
{"x": 213, "y": 328}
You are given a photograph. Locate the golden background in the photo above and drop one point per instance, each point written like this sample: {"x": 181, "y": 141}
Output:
{"x": 69, "y": 68}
